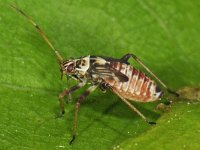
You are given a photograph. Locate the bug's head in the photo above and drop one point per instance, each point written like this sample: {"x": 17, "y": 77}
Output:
{"x": 68, "y": 67}
{"x": 75, "y": 67}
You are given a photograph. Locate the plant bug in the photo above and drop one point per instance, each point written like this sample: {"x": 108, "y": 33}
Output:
{"x": 117, "y": 75}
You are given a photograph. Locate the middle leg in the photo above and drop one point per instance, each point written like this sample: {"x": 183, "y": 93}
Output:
{"x": 78, "y": 103}
{"x": 67, "y": 92}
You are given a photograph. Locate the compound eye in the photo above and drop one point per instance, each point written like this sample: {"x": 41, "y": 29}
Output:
{"x": 70, "y": 68}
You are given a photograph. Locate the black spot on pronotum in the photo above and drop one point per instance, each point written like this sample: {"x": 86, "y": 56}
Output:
{"x": 83, "y": 63}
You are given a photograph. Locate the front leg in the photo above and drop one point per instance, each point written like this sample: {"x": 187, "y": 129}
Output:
{"x": 67, "y": 92}
{"x": 78, "y": 103}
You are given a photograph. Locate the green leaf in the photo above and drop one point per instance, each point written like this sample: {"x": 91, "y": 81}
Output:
{"x": 164, "y": 34}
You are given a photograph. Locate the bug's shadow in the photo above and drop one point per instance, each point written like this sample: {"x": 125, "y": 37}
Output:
{"x": 110, "y": 104}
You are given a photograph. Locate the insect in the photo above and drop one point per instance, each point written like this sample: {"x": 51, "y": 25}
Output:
{"x": 117, "y": 75}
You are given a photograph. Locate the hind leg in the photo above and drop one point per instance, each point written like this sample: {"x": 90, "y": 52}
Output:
{"x": 132, "y": 107}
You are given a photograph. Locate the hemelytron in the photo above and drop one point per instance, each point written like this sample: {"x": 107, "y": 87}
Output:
{"x": 117, "y": 75}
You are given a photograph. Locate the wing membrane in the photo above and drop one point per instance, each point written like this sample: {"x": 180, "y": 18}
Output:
{"x": 107, "y": 72}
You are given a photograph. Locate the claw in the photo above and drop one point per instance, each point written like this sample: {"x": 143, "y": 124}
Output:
{"x": 167, "y": 102}
{"x": 63, "y": 112}
{"x": 172, "y": 92}
{"x": 59, "y": 116}
{"x": 151, "y": 122}
{"x": 72, "y": 140}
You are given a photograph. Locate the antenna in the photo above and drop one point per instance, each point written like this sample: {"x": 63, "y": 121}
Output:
{"x": 59, "y": 57}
